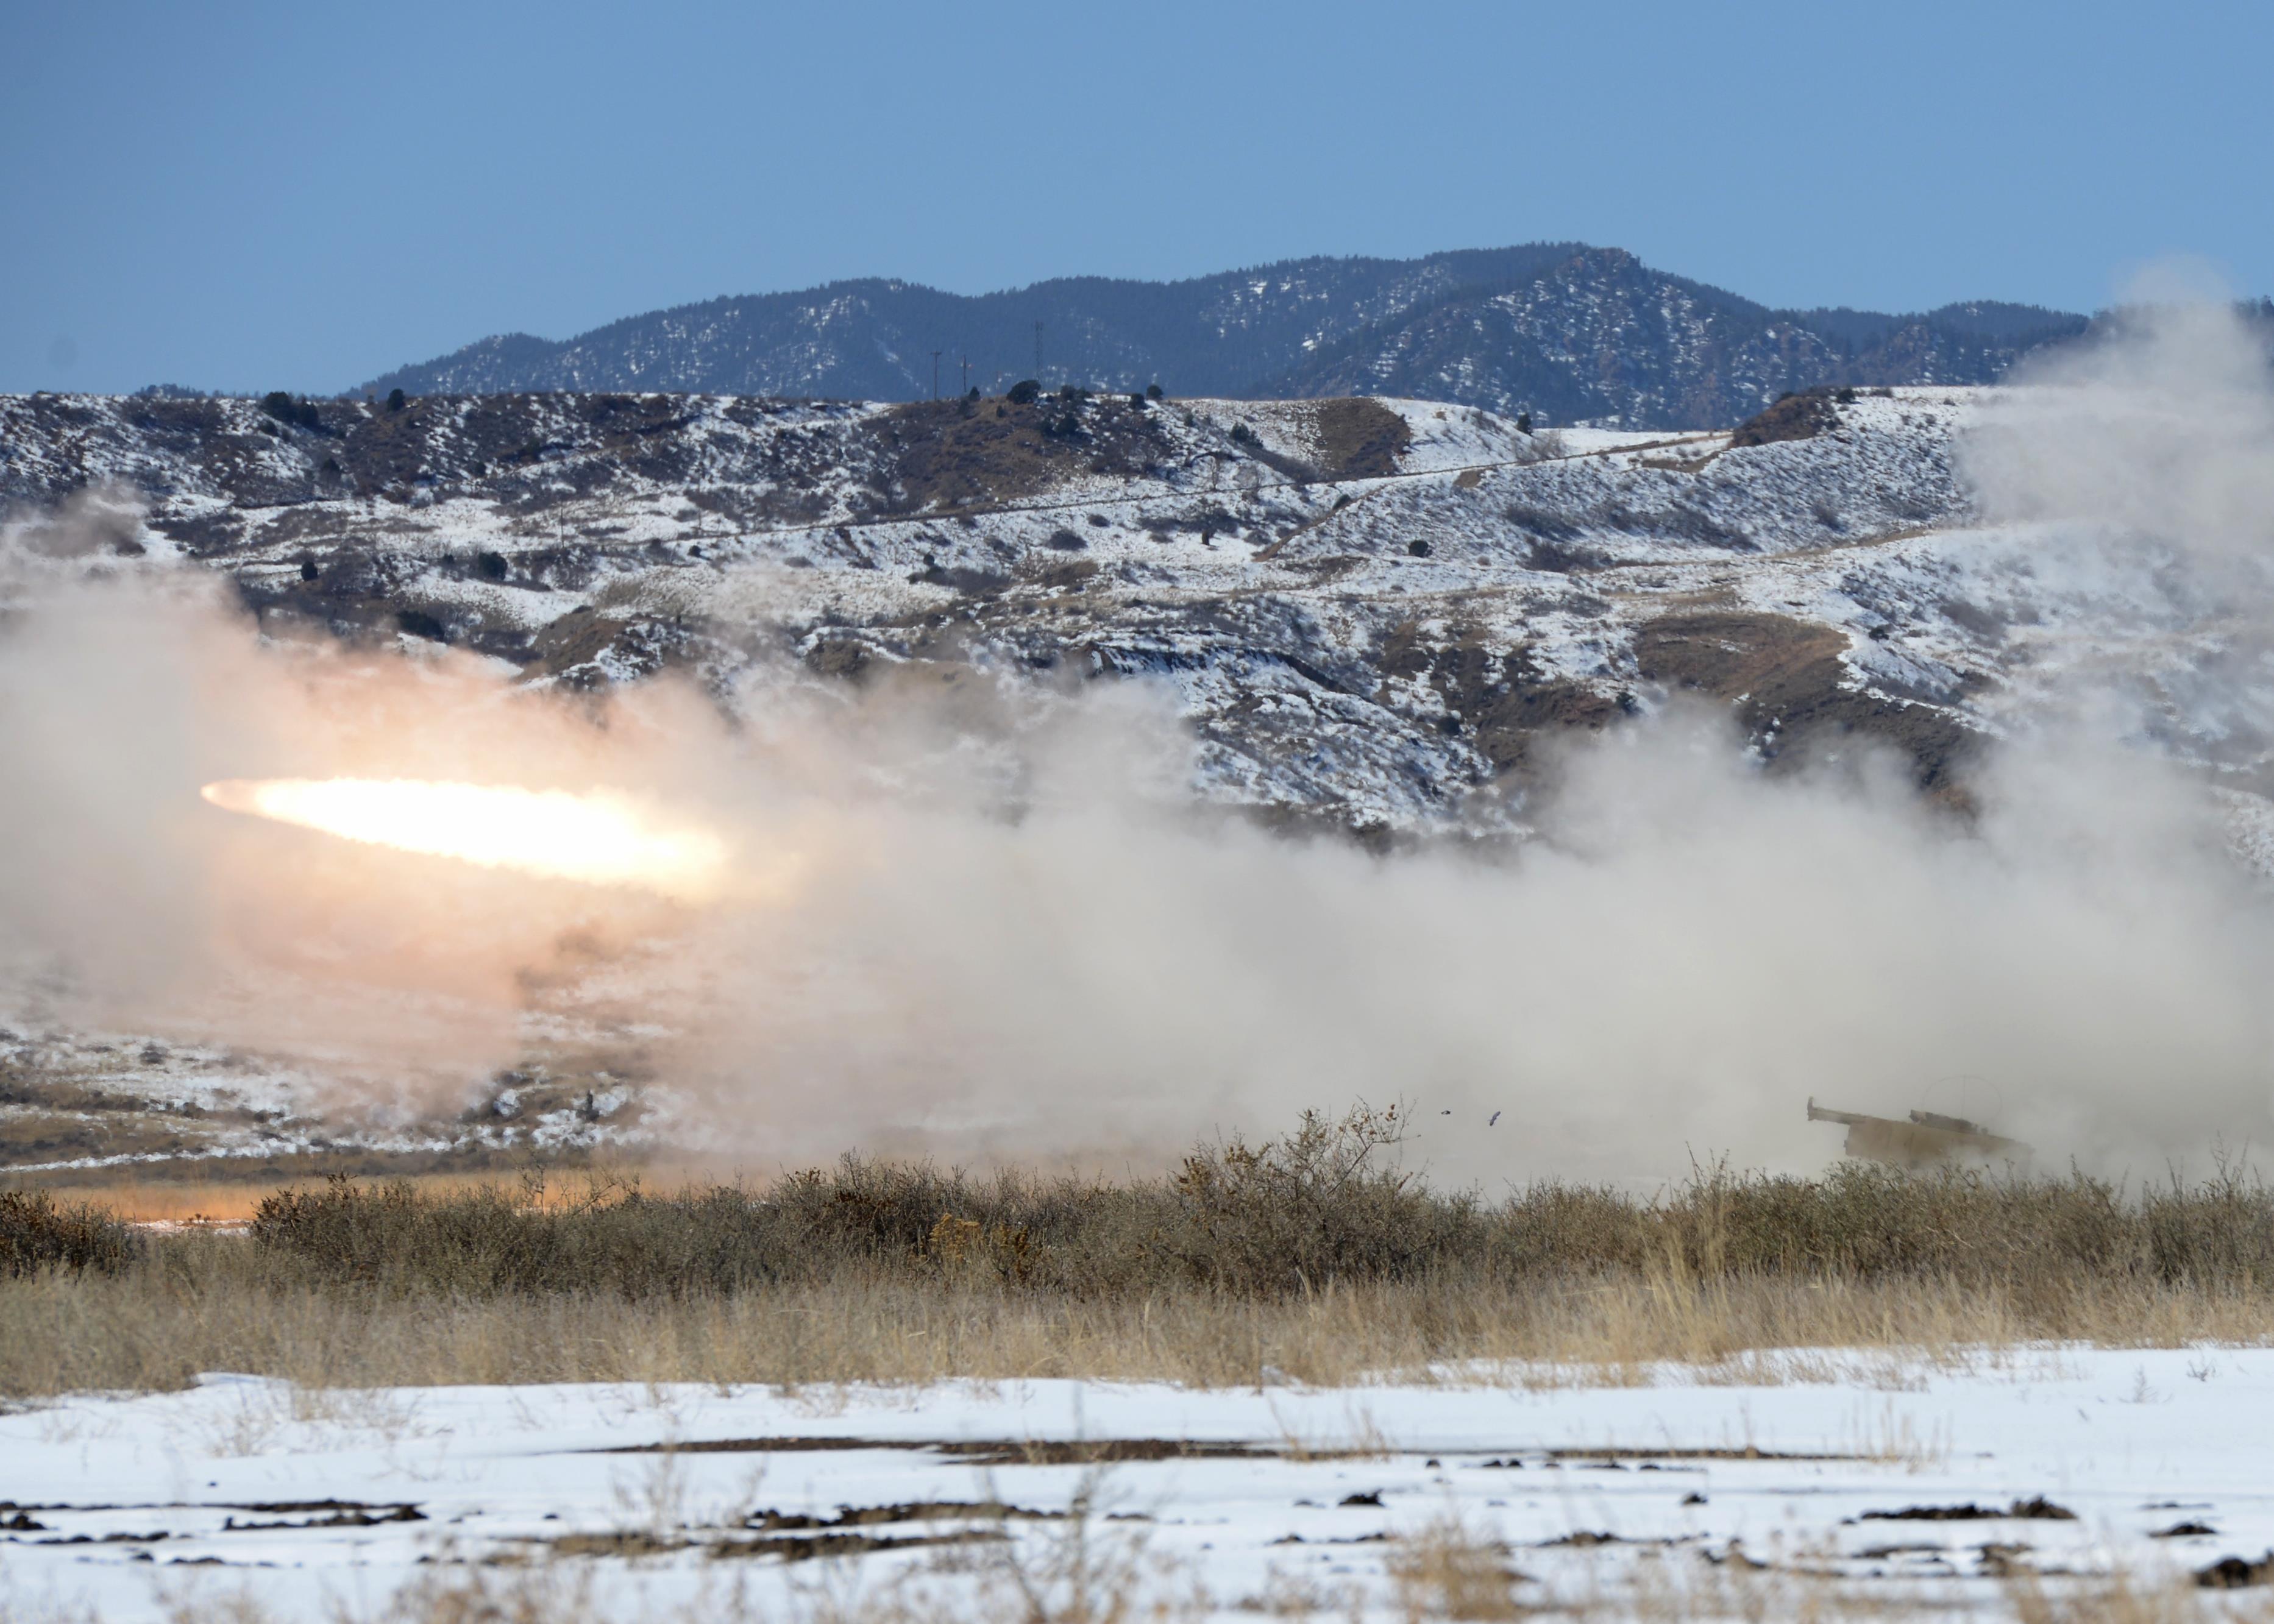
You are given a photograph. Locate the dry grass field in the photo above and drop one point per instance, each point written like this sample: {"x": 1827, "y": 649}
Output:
{"x": 217, "y": 1195}
{"x": 1308, "y": 1255}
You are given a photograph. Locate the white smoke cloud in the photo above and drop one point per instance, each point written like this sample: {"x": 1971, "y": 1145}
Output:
{"x": 2162, "y": 430}
{"x": 1690, "y": 953}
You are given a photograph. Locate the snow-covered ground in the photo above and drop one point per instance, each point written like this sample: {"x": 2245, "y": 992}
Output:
{"x": 1814, "y": 1471}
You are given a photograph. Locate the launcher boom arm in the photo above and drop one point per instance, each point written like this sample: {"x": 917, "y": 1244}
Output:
{"x": 1928, "y": 1140}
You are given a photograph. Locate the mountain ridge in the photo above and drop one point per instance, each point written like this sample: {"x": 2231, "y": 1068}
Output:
{"x": 1568, "y": 332}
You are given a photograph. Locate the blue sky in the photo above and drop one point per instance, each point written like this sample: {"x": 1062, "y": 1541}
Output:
{"x": 258, "y": 196}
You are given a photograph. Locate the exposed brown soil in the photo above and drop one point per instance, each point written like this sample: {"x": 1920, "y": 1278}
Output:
{"x": 1500, "y": 700}
{"x": 1069, "y": 573}
{"x": 760, "y": 1446}
{"x": 1587, "y": 1538}
{"x": 580, "y": 637}
{"x": 964, "y": 455}
{"x": 572, "y": 647}
{"x": 1359, "y": 437}
{"x": 2234, "y": 1573}
{"x": 813, "y": 1547}
{"x": 338, "y": 1516}
{"x": 973, "y": 1452}
{"x": 1746, "y": 1453}
{"x": 2038, "y": 1509}
{"x": 1101, "y": 1452}
{"x": 636, "y": 1543}
{"x": 1796, "y": 417}
{"x": 838, "y": 656}
{"x": 791, "y": 1536}
{"x": 1787, "y": 676}
{"x": 910, "y": 1511}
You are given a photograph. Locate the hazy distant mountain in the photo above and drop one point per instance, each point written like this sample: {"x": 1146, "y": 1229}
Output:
{"x": 1569, "y": 333}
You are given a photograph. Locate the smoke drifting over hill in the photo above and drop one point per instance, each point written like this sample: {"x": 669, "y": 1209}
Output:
{"x": 1008, "y": 932}
{"x": 2162, "y": 434}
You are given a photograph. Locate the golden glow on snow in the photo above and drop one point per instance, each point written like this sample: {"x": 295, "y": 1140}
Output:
{"x": 601, "y": 837}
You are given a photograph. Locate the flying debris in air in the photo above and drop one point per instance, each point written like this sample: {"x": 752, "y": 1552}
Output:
{"x": 1492, "y": 1119}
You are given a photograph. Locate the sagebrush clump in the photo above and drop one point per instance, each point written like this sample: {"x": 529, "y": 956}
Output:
{"x": 1326, "y": 1204}
{"x": 37, "y": 1234}
{"x": 1314, "y": 1253}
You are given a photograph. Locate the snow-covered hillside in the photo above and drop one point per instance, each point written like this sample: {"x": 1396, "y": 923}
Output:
{"x": 1420, "y": 591}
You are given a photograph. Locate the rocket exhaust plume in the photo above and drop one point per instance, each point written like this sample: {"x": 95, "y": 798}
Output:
{"x": 601, "y": 837}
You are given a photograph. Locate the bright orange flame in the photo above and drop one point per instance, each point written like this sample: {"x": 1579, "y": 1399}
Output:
{"x": 602, "y": 839}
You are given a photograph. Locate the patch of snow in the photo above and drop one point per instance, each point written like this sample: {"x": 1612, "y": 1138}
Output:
{"x": 2079, "y": 1460}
